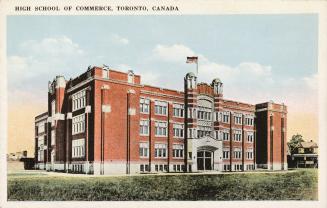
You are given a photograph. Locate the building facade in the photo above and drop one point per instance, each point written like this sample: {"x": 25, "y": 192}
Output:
{"x": 305, "y": 156}
{"x": 106, "y": 122}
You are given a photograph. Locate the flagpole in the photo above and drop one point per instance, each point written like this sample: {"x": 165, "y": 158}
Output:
{"x": 197, "y": 67}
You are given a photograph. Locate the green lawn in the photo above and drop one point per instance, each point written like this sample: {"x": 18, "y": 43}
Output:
{"x": 293, "y": 185}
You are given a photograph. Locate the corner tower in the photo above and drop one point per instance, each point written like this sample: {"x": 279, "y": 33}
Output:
{"x": 190, "y": 121}
{"x": 56, "y": 124}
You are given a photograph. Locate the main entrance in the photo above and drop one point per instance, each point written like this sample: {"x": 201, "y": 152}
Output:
{"x": 205, "y": 160}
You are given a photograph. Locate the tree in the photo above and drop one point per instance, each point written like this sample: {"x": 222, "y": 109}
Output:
{"x": 295, "y": 142}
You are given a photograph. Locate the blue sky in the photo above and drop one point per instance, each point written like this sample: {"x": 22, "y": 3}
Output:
{"x": 266, "y": 56}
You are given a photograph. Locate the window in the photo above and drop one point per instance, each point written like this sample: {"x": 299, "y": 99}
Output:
{"x": 178, "y": 130}
{"x": 250, "y": 136}
{"x": 225, "y": 116}
{"x": 192, "y": 133}
{"x": 78, "y": 148}
{"x": 226, "y": 153}
{"x": 41, "y": 128}
{"x": 160, "y": 128}
{"x": 226, "y": 135}
{"x": 237, "y": 135}
{"x": 78, "y": 124}
{"x": 238, "y": 167}
{"x": 237, "y": 153}
{"x": 144, "y": 168}
{"x": 105, "y": 73}
{"x": 130, "y": 78}
{"x": 144, "y": 150}
{"x": 53, "y": 108}
{"x": 178, "y": 168}
{"x": 250, "y": 167}
{"x": 192, "y": 112}
{"x": 249, "y": 120}
{"x": 79, "y": 100}
{"x": 160, "y": 107}
{"x": 144, "y": 127}
{"x": 160, "y": 150}
{"x": 40, "y": 148}
{"x": 178, "y": 150}
{"x": 40, "y": 156}
{"x": 217, "y": 133}
{"x": 238, "y": 118}
{"x": 161, "y": 168}
{"x": 53, "y": 137}
{"x": 53, "y": 112}
{"x": 217, "y": 116}
{"x": 178, "y": 110}
{"x": 41, "y": 142}
{"x": 249, "y": 154}
{"x": 204, "y": 131}
{"x": 144, "y": 105}
{"x": 226, "y": 167}
{"x": 204, "y": 114}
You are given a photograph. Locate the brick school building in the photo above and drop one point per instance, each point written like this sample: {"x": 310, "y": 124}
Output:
{"x": 107, "y": 122}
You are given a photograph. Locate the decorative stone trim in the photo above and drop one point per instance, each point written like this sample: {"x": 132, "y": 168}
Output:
{"x": 69, "y": 116}
{"x": 106, "y": 108}
{"x": 88, "y": 109}
{"x": 131, "y": 111}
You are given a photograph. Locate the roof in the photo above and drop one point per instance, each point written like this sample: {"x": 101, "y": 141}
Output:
{"x": 309, "y": 144}
{"x": 305, "y": 155}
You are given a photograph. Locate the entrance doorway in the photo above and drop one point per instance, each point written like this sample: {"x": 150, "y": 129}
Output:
{"x": 205, "y": 160}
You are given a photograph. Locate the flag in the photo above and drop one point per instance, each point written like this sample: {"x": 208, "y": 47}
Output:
{"x": 192, "y": 59}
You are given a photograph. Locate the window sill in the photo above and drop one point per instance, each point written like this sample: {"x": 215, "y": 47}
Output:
{"x": 78, "y": 133}
{"x": 178, "y": 117}
{"x": 161, "y": 114}
{"x": 161, "y": 136}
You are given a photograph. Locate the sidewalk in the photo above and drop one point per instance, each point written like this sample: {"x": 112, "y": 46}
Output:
{"x": 46, "y": 173}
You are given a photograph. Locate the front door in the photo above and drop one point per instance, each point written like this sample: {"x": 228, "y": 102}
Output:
{"x": 204, "y": 160}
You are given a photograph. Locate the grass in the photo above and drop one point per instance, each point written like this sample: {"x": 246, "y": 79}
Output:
{"x": 295, "y": 185}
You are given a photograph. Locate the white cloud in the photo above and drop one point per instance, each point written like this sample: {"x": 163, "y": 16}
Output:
{"x": 177, "y": 53}
{"x": 247, "y": 75}
{"x": 38, "y": 61}
{"x": 119, "y": 39}
{"x": 255, "y": 69}
{"x": 59, "y": 46}
{"x": 174, "y": 53}
{"x": 150, "y": 78}
{"x": 123, "y": 67}
{"x": 249, "y": 82}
